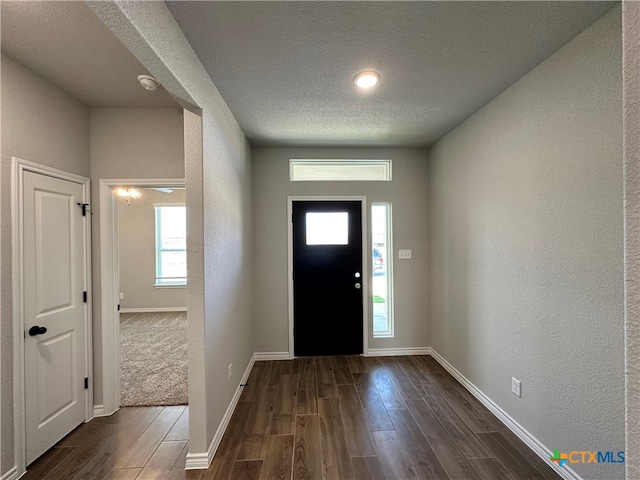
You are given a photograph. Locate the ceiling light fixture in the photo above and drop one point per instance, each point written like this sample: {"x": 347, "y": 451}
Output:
{"x": 366, "y": 79}
{"x": 128, "y": 193}
{"x": 148, "y": 82}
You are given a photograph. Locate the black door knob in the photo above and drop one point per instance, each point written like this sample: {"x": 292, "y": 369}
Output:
{"x": 36, "y": 330}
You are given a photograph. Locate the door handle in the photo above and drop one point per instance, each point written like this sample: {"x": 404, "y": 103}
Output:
{"x": 36, "y": 330}
{"x": 358, "y": 286}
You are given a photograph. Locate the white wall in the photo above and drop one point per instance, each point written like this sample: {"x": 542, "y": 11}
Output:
{"x": 42, "y": 124}
{"x": 218, "y": 179}
{"x": 137, "y": 234}
{"x": 526, "y": 248}
{"x": 408, "y": 194}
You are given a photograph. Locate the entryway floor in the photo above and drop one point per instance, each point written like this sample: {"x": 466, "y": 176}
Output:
{"x": 330, "y": 418}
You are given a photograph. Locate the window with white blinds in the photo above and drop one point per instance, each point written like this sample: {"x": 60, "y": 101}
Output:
{"x": 171, "y": 245}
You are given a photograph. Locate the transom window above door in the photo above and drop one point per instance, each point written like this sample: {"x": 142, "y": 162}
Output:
{"x": 318, "y": 170}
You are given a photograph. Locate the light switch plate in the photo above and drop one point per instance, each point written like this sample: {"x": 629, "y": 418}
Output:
{"x": 404, "y": 254}
{"x": 516, "y": 387}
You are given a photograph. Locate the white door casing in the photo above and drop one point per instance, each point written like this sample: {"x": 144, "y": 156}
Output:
{"x": 51, "y": 272}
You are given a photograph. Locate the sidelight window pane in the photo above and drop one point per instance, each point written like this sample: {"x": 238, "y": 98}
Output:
{"x": 382, "y": 273}
{"x": 327, "y": 228}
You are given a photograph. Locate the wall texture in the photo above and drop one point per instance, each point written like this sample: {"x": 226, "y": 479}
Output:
{"x": 408, "y": 194}
{"x": 137, "y": 235}
{"x": 126, "y": 143}
{"x": 218, "y": 179}
{"x": 137, "y": 143}
{"x": 526, "y": 248}
{"x": 631, "y": 68}
{"x": 42, "y": 124}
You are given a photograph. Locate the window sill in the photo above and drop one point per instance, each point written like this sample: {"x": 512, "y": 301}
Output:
{"x": 383, "y": 335}
{"x": 184, "y": 285}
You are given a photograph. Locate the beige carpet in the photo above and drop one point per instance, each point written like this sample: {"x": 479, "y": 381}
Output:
{"x": 153, "y": 358}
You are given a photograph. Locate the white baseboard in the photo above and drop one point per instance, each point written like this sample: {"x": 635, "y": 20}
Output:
{"x": 372, "y": 352}
{"x": 153, "y": 310}
{"x": 393, "y": 352}
{"x": 261, "y": 356}
{"x": 202, "y": 460}
{"x": 99, "y": 411}
{"x": 199, "y": 461}
{"x": 532, "y": 442}
{"x": 11, "y": 474}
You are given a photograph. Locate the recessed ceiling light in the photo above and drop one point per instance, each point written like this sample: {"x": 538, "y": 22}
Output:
{"x": 366, "y": 79}
{"x": 148, "y": 82}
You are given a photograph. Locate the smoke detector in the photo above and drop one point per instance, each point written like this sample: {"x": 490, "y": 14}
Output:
{"x": 148, "y": 82}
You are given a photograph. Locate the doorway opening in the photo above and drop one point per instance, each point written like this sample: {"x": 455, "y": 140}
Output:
{"x": 136, "y": 307}
{"x": 152, "y": 295}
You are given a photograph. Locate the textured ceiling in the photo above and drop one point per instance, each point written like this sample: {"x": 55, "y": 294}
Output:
{"x": 66, "y": 44}
{"x": 286, "y": 68}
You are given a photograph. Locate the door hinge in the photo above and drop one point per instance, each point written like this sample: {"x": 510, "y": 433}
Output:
{"x": 84, "y": 297}
{"x": 118, "y": 307}
{"x": 83, "y": 206}
{"x": 86, "y": 382}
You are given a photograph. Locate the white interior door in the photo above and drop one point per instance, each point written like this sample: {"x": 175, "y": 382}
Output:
{"x": 55, "y": 312}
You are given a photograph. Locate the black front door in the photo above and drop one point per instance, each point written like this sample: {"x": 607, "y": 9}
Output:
{"x": 327, "y": 277}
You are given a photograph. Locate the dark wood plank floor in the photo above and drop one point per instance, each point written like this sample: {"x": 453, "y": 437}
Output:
{"x": 330, "y": 418}
{"x": 134, "y": 443}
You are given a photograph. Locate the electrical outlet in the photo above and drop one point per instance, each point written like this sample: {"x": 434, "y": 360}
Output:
{"x": 230, "y": 370}
{"x": 516, "y": 387}
{"x": 121, "y": 296}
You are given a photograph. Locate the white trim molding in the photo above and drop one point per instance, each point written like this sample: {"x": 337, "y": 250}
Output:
{"x": 196, "y": 461}
{"x": 532, "y": 442}
{"x": 396, "y": 352}
{"x": 153, "y": 310}
{"x": 98, "y": 411}
{"x": 11, "y": 474}
{"x": 264, "y": 356}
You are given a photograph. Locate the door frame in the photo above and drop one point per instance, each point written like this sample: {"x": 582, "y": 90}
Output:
{"x": 365, "y": 262}
{"x": 110, "y": 284}
{"x": 18, "y": 168}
